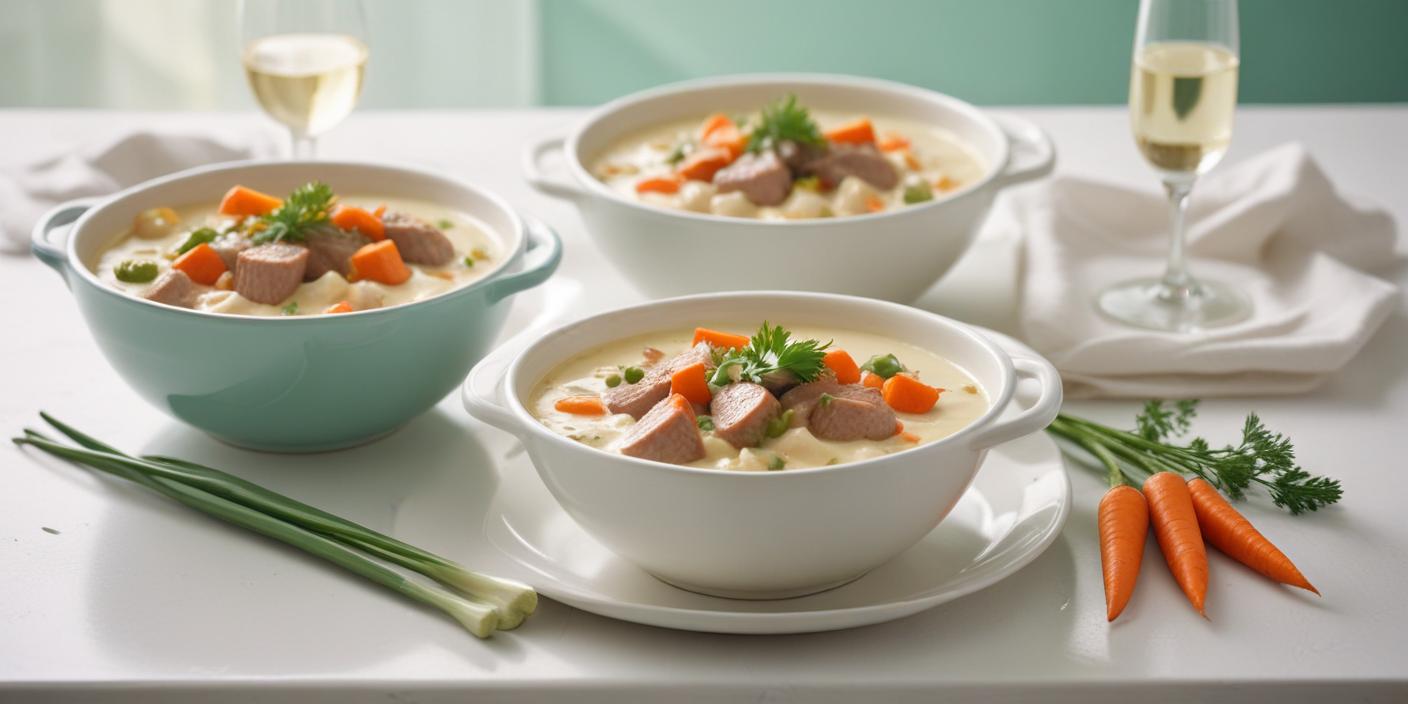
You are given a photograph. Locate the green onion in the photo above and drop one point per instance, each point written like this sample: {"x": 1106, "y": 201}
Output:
{"x": 918, "y": 192}
{"x": 705, "y": 423}
{"x": 482, "y": 604}
{"x": 469, "y": 262}
{"x": 776, "y": 463}
{"x": 204, "y": 235}
{"x": 291, "y": 308}
{"x": 883, "y": 366}
{"x": 779, "y": 425}
{"x": 135, "y": 271}
{"x": 444, "y": 223}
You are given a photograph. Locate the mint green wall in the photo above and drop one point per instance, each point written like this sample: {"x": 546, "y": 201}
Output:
{"x": 986, "y": 51}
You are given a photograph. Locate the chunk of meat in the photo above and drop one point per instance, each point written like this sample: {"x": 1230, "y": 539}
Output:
{"x": 668, "y": 433}
{"x": 173, "y": 288}
{"x": 270, "y": 273}
{"x": 842, "y": 412}
{"x": 229, "y": 246}
{"x": 762, "y": 178}
{"x": 741, "y": 413}
{"x": 417, "y": 240}
{"x": 797, "y": 155}
{"x": 637, "y": 399}
{"x": 331, "y": 249}
{"x": 863, "y": 161}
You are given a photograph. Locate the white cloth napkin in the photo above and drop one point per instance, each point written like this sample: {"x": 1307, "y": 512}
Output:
{"x": 1273, "y": 225}
{"x": 111, "y": 164}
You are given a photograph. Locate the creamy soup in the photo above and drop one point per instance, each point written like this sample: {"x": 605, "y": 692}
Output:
{"x": 786, "y": 162}
{"x": 642, "y": 396}
{"x": 211, "y": 257}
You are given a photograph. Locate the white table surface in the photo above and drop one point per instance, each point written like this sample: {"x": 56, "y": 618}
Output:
{"x": 135, "y": 599}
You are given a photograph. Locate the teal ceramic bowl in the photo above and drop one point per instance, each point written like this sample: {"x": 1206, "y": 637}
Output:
{"x": 295, "y": 384}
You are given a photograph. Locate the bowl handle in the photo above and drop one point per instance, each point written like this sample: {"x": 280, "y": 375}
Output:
{"x": 482, "y": 393}
{"x": 1033, "y": 155}
{"x": 546, "y": 246}
{"x": 39, "y": 243}
{"x": 1033, "y": 418}
{"x": 533, "y": 156}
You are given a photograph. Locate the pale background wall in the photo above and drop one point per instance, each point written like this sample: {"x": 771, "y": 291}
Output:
{"x": 472, "y": 53}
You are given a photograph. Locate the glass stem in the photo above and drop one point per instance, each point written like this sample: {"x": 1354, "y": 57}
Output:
{"x": 301, "y": 146}
{"x": 1177, "y": 284}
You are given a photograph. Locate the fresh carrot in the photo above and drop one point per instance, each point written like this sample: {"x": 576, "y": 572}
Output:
{"x": 854, "y": 132}
{"x": 702, "y": 164}
{"x": 247, "y": 201}
{"x": 874, "y": 381}
{"x": 380, "y": 261}
{"x": 842, "y": 365}
{"x": 1176, "y": 527}
{"x": 1230, "y": 532}
{"x": 909, "y": 437}
{"x": 581, "y": 405}
{"x": 725, "y": 340}
{"x": 347, "y": 217}
{"x": 906, "y": 394}
{"x": 1123, "y": 518}
{"x": 692, "y": 382}
{"x": 681, "y": 403}
{"x": 380, "y": 211}
{"x": 874, "y": 204}
{"x": 893, "y": 143}
{"x": 720, "y": 131}
{"x": 202, "y": 263}
{"x": 339, "y": 307}
{"x": 662, "y": 184}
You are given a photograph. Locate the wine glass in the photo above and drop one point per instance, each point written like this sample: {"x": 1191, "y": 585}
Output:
{"x": 1182, "y": 94}
{"x": 304, "y": 60}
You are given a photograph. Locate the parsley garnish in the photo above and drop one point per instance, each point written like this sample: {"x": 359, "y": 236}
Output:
{"x": 771, "y": 349}
{"x": 1262, "y": 457}
{"x": 291, "y": 308}
{"x": 784, "y": 121}
{"x": 308, "y": 206}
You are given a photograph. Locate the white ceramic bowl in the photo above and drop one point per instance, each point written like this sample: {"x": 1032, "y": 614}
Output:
{"x": 894, "y": 255}
{"x": 761, "y": 534}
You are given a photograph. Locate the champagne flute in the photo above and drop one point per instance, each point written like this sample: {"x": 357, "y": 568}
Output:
{"x": 1182, "y": 95}
{"x": 304, "y": 60}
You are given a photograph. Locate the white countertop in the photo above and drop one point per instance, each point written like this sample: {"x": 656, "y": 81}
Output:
{"x": 138, "y": 599}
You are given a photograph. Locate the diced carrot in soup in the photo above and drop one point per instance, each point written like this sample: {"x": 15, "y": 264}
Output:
{"x": 247, "y": 201}
{"x": 381, "y": 262}
{"x": 704, "y": 163}
{"x": 202, "y": 264}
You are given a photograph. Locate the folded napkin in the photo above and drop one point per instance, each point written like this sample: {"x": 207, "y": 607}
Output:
{"x": 1272, "y": 225}
{"x": 109, "y": 165}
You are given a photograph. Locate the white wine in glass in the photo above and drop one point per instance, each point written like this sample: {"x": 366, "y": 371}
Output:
{"x": 1182, "y": 98}
{"x": 305, "y": 60}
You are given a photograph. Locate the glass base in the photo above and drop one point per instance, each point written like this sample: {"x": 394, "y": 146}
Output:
{"x": 1154, "y": 305}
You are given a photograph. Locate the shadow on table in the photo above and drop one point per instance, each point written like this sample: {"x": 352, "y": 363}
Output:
{"x": 171, "y": 579}
{"x": 938, "y": 638}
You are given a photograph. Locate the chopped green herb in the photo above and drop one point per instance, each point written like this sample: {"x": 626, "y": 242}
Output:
{"x": 678, "y": 154}
{"x": 776, "y": 463}
{"x": 291, "y": 308}
{"x": 883, "y": 366}
{"x": 633, "y": 374}
{"x": 135, "y": 271}
{"x": 307, "y": 207}
{"x": 771, "y": 349}
{"x": 613, "y": 381}
{"x": 779, "y": 425}
{"x": 918, "y": 192}
{"x": 204, "y": 235}
{"x": 445, "y": 224}
{"x": 705, "y": 423}
{"x": 469, "y": 262}
{"x": 784, "y": 121}
{"x": 824, "y": 401}
{"x": 833, "y": 460}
